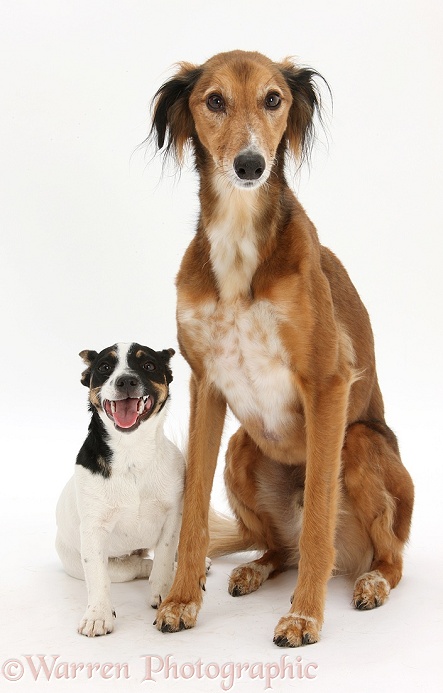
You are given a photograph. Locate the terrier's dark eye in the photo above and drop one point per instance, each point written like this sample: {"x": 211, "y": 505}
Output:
{"x": 272, "y": 101}
{"x": 149, "y": 366}
{"x": 215, "y": 103}
{"x": 104, "y": 368}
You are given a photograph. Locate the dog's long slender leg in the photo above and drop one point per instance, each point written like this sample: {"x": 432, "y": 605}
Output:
{"x": 325, "y": 413}
{"x": 181, "y": 607}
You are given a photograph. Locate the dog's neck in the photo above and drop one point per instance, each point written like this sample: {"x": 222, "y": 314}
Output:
{"x": 241, "y": 225}
{"x": 135, "y": 448}
{"x": 232, "y": 235}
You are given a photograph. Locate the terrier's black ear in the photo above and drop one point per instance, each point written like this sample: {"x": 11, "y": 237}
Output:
{"x": 166, "y": 355}
{"x": 88, "y": 357}
{"x": 306, "y": 103}
{"x": 172, "y": 122}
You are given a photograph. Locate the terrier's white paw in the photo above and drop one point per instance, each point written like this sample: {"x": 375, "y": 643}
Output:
{"x": 159, "y": 591}
{"x": 97, "y": 620}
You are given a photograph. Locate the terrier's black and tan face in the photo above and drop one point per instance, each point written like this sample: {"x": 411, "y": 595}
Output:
{"x": 128, "y": 382}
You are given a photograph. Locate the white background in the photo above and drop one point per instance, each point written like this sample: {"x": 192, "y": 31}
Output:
{"x": 91, "y": 240}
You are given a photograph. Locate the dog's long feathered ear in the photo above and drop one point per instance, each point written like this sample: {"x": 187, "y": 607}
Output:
{"x": 88, "y": 357}
{"x": 306, "y": 103}
{"x": 166, "y": 355}
{"x": 172, "y": 123}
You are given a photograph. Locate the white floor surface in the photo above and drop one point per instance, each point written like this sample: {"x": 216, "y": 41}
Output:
{"x": 394, "y": 648}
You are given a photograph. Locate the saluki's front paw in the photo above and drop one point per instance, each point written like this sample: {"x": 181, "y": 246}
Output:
{"x": 173, "y": 616}
{"x": 98, "y": 620}
{"x": 294, "y": 630}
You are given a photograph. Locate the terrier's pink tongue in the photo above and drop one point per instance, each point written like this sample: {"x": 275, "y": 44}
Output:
{"x": 126, "y": 414}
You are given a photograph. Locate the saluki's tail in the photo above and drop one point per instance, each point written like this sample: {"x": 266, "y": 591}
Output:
{"x": 225, "y": 536}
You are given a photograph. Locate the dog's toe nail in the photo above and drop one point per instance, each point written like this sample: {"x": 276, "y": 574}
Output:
{"x": 166, "y": 628}
{"x": 155, "y": 622}
{"x": 114, "y": 614}
{"x": 281, "y": 641}
{"x": 308, "y": 639}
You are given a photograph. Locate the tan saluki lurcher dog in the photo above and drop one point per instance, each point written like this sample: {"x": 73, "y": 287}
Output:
{"x": 272, "y": 326}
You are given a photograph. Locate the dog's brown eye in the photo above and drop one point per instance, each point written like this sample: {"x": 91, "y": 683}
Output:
{"x": 215, "y": 103}
{"x": 149, "y": 366}
{"x": 272, "y": 101}
{"x": 104, "y": 368}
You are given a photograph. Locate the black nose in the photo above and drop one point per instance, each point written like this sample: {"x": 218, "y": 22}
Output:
{"x": 127, "y": 384}
{"x": 249, "y": 166}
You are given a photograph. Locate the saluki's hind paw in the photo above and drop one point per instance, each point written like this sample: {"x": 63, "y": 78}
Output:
{"x": 370, "y": 590}
{"x": 246, "y": 578}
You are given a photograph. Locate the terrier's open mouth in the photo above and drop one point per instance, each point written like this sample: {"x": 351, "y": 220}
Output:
{"x": 127, "y": 413}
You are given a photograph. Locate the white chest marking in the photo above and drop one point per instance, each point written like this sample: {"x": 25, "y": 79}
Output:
{"x": 234, "y": 259}
{"x": 233, "y": 240}
{"x": 244, "y": 358}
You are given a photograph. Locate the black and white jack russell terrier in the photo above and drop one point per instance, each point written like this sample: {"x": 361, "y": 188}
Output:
{"x": 125, "y": 497}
